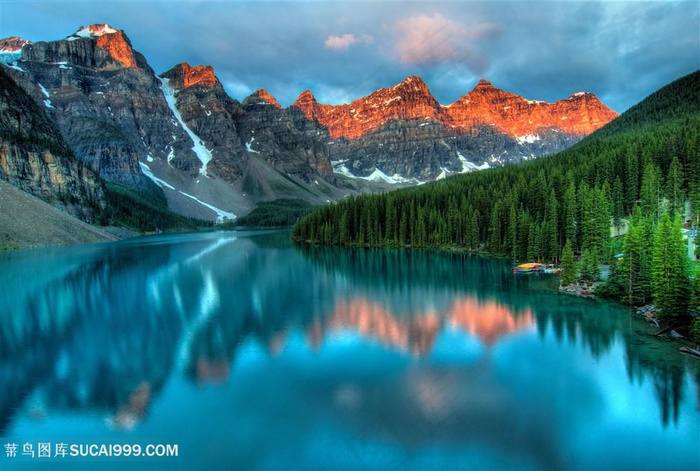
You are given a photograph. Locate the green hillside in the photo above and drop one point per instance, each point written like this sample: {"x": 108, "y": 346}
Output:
{"x": 648, "y": 158}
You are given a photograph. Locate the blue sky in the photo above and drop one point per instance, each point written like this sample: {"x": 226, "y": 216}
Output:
{"x": 621, "y": 51}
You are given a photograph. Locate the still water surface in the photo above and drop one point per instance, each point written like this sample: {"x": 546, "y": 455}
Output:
{"x": 249, "y": 353}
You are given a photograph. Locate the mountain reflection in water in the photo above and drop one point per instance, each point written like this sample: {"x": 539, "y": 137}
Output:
{"x": 405, "y": 346}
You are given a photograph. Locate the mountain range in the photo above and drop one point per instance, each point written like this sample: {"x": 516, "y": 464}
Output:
{"x": 85, "y": 112}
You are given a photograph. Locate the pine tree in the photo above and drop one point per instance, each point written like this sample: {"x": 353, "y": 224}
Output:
{"x": 550, "y": 236}
{"x": 590, "y": 265}
{"x": 495, "y": 229}
{"x": 670, "y": 283}
{"x": 512, "y": 238}
{"x": 534, "y": 252}
{"x": 569, "y": 213}
{"x": 674, "y": 188}
{"x": 569, "y": 274}
{"x": 635, "y": 267}
{"x": 651, "y": 190}
{"x": 695, "y": 297}
{"x": 618, "y": 209}
{"x": 631, "y": 180}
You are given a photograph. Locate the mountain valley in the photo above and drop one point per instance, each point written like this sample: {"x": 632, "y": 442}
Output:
{"x": 214, "y": 158}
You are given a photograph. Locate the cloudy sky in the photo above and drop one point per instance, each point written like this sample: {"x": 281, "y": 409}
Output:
{"x": 545, "y": 50}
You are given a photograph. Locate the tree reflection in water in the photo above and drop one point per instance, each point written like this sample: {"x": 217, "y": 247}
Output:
{"x": 104, "y": 329}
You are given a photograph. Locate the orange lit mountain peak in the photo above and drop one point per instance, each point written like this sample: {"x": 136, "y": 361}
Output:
{"x": 312, "y": 109}
{"x": 265, "y": 96}
{"x": 12, "y": 44}
{"x": 580, "y": 114}
{"x": 408, "y": 100}
{"x": 411, "y": 100}
{"x": 118, "y": 47}
{"x": 184, "y": 75}
{"x": 111, "y": 40}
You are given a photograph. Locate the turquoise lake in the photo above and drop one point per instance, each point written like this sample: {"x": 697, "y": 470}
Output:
{"x": 245, "y": 352}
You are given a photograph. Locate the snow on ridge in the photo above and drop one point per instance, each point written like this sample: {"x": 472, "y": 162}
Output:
{"x": 16, "y": 67}
{"x": 379, "y": 176}
{"x": 8, "y": 57}
{"x": 443, "y": 174}
{"x": 249, "y": 144}
{"x": 146, "y": 170}
{"x": 340, "y": 168}
{"x": 61, "y": 65}
{"x": 46, "y": 93}
{"x": 468, "y": 166}
{"x": 221, "y": 214}
{"x": 202, "y": 152}
{"x": 91, "y": 32}
{"x": 376, "y": 176}
{"x": 529, "y": 138}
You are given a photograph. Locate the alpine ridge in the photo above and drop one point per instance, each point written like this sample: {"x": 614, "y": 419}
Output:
{"x": 401, "y": 134}
{"x": 184, "y": 75}
{"x": 409, "y": 100}
{"x": 579, "y": 115}
{"x": 214, "y": 157}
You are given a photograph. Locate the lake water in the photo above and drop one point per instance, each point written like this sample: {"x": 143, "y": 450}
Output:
{"x": 244, "y": 352}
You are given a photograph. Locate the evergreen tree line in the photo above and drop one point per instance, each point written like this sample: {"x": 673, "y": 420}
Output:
{"x": 270, "y": 214}
{"x": 528, "y": 211}
{"x": 146, "y": 211}
{"x": 639, "y": 170}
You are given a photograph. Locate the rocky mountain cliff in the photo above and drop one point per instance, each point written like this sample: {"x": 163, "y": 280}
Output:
{"x": 402, "y": 134}
{"x": 35, "y": 157}
{"x": 181, "y": 129}
{"x": 579, "y": 115}
{"x": 107, "y": 102}
{"x": 215, "y": 157}
{"x": 256, "y": 147}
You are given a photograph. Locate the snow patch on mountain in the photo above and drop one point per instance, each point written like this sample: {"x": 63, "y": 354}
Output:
{"x": 529, "y": 138}
{"x": 444, "y": 173}
{"x": 146, "y": 170}
{"x": 8, "y": 57}
{"x": 92, "y": 32}
{"x": 221, "y": 214}
{"x": 202, "y": 152}
{"x": 468, "y": 166}
{"x": 249, "y": 146}
{"x": 340, "y": 168}
{"x": 379, "y": 176}
{"x": 46, "y": 93}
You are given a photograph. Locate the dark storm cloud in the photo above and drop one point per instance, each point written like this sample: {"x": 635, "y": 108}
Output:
{"x": 622, "y": 51}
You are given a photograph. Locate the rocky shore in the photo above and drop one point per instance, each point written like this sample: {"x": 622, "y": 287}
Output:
{"x": 585, "y": 290}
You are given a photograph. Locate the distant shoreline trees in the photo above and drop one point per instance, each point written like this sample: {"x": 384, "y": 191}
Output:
{"x": 642, "y": 167}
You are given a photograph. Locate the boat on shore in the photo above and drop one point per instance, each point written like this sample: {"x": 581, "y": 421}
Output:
{"x": 534, "y": 267}
{"x": 527, "y": 268}
{"x": 551, "y": 269}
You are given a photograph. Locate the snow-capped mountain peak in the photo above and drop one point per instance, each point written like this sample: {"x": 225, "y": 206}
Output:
{"x": 11, "y": 49}
{"x": 93, "y": 31}
{"x": 12, "y": 45}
